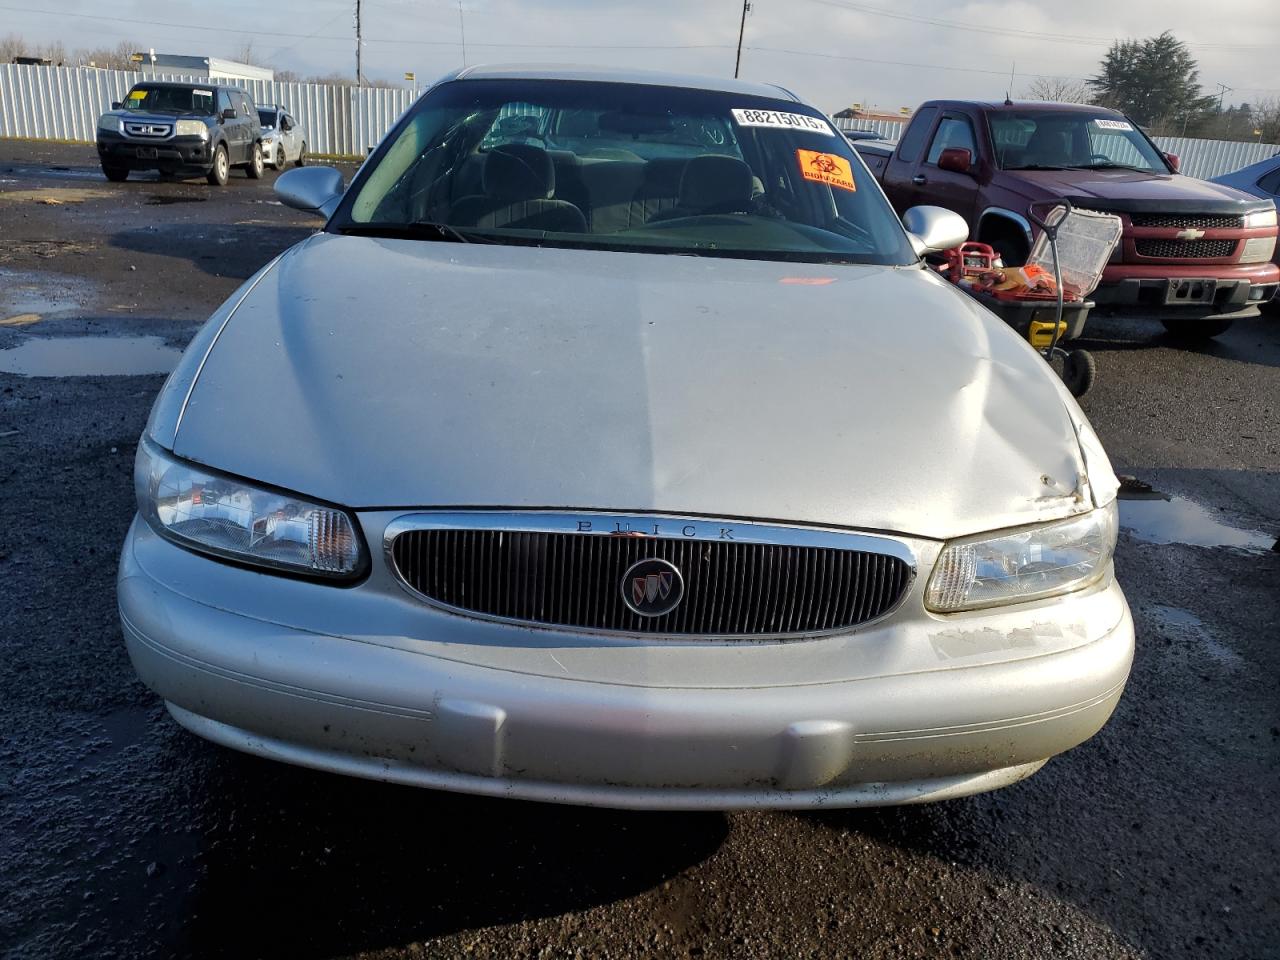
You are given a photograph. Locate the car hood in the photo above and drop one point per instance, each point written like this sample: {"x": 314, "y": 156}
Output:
{"x": 394, "y": 373}
{"x": 1128, "y": 190}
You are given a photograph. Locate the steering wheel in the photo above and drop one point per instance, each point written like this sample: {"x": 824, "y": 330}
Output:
{"x": 1099, "y": 158}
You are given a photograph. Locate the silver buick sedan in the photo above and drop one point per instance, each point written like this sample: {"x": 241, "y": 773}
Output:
{"x": 612, "y": 444}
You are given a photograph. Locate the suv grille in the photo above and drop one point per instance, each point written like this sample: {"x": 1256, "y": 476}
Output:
{"x": 1188, "y": 220}
{"x": 1185, "y": 249}
{"x": 731, "y": 589}
{"x": 151, "y": 131}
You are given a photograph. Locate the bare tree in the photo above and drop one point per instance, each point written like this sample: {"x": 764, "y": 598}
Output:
{"x": 119, "y": 57}
{"x": 12, "y": 46}
{"x": 1057, "y": 90}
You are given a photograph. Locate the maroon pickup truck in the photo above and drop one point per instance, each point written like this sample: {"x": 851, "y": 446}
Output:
{"x": 1195, "y": 255}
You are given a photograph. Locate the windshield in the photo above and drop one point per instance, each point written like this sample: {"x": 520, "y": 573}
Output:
{"x": 1057, "y": 140}
{"x": 170, "y": 100}
{"x": 624, "y": 166}
{"x": 267, "y": 118}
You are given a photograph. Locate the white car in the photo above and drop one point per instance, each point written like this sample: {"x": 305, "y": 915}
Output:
{"x": 283, "y": 141}
{"x": 638, "y": 461}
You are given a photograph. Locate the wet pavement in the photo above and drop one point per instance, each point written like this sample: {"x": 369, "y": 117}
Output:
{"x": 123, "y": 836}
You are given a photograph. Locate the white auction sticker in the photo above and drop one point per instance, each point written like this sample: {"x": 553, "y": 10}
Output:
{"x": 787, "y": 121}
{"x": 1113, "y": 124}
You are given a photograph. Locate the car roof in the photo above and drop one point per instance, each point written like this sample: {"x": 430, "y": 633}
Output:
{"x": 210, "y": 85}
{"x": 1001, "y": 105}
{"x": 654, "y": 78}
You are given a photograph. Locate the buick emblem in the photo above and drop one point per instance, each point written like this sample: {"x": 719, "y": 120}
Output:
{"x": 652, "y": 588}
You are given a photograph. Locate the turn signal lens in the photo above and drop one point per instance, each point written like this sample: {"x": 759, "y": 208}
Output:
{"x": 1258, "y": 250}
{"x": 1027, "y": 563}
{"x": 1260, "y": 218}
{"x": 210, "y": 512}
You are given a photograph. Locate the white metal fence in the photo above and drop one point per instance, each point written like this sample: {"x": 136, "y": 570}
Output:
{"x": 63, "y": 103}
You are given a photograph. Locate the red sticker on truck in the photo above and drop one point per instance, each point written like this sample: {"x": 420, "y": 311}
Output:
{"x": 828, "y": 168}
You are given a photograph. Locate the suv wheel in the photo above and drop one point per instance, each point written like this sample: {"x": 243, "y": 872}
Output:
{"x": 302, "y": 154}
{"x": 254, "y": 170}
{"x": 1193, "y": 331}
{"x": 221, "y": 170}
{"x": 115, "y": 174}
{"x": 281, "y": 159}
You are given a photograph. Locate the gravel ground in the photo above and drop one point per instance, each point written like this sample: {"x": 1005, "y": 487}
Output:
{"x": 123, "y": 836}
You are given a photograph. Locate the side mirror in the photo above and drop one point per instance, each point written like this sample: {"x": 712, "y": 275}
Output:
{"x": 313, "y": 189}
{"x": 229, "y": 113}
{"x": 1173, "y": 161}
{"x": 934, "y": 228}
{"x": 955, "y": 159}
{"x": 115, "y": 104}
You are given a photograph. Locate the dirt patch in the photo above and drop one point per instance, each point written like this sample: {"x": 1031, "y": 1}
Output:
{"x": 55, "y": 196}
{"x": 42, "y": 249}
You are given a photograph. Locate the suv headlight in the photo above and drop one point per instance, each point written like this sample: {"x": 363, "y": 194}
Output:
{"x": 108, "y": 122}
{"x": 1260, "y": 218}
{"x": 191, "y": 128}
{"x": 1026, "y": 563}
{"x": 210, "y": 512}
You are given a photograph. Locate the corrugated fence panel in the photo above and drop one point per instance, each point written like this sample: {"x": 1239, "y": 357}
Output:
{"x": 63, "y": 103}
{"x": 1213, "y": 158}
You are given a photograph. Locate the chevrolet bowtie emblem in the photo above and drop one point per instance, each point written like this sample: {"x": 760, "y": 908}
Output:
{"x": 1190, "y": 234}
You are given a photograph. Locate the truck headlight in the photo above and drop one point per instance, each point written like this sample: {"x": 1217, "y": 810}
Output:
{"x": 1026, "y": 563}
{"x": 113, "y": 124}
{"x": 1260, "y": 218}
{"x": 192, "y": 128}
{"x": 213, "y": 513}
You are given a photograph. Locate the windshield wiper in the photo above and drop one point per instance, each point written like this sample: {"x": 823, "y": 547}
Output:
{"x": 1111, "y": 166}
{"x": 415, "y": 230}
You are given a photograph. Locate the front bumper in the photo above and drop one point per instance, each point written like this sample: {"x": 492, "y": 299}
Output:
{"x": 1165, "y": 293}
{"x": 176, "y": 154}
{"x": 383, "y": 707}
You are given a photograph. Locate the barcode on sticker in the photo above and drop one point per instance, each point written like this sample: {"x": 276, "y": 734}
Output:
{"x": 1113, "y": 124}
{"x": 787, "y": 121}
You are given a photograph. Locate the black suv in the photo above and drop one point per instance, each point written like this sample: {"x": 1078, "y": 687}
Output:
{"x": 183, "y": 129}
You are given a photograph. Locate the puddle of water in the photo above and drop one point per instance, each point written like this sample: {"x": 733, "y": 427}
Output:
{"x": 1154, "y": 518}
{"x": 89, "y": 357}
{"x": 44, "y": 294}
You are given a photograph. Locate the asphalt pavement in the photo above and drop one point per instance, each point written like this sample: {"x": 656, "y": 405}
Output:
{"x": 123, "y": 836}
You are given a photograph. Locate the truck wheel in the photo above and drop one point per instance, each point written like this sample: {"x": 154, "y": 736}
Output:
{"x": 1196, "y": 331}
{"x": 115, "y": 174}
{"x": 254, "y": 169}
{"x": 220, "y": 172}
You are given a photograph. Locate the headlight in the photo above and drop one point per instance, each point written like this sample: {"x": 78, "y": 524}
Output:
{"x": 1261, "y": 218}
{"x": 213, "y": 513}
{"x": 108, "y": 122}
{"x": 1027, "y": 563}
{"x": 191, "y": 128}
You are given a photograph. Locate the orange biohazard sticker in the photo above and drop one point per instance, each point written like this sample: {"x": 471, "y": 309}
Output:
{"x": 826, "y": 168}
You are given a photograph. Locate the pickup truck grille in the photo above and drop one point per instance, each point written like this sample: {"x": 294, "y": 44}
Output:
{"x": 1183, "y": 221}
{"x": 1185, "y": 249}
{"x": 572, "y": 580}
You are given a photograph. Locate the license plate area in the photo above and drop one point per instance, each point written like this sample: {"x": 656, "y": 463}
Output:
{"x": 147, "y": 153}
{"x": 1188, "y": 290}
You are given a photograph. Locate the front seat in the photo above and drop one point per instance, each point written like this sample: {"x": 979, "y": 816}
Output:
{"x": 712, "y": 184}
{"x": 519, "y": 182}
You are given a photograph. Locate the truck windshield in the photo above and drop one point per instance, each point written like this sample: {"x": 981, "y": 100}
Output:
{"x": 1058, "y": 140}
{"x": 624, "y": 167}
{"x": 170, "y": 100}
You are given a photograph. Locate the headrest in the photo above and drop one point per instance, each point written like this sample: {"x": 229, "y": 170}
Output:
{"x": 715, "y": 181}
{"x": 519, "y": 171}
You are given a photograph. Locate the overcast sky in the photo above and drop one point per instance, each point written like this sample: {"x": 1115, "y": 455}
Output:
{"x": 891, "y": 53}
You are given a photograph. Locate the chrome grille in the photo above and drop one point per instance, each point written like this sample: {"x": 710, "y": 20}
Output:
{"x": 1185, "y": 249}
{"x": 150, "y": 131}
{"x": 574, "y": 580}
{"x": 1192, "y": 221}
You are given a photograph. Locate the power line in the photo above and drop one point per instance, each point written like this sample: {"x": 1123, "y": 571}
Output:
{"x": 1049, "y": 37}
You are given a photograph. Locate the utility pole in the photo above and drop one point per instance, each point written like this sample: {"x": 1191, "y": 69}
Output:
{"x": 359, "y": 72}
{"x": 1222, "y": 89}
{"x": 462, "y": 29}
{"x": 742, "y": 29}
